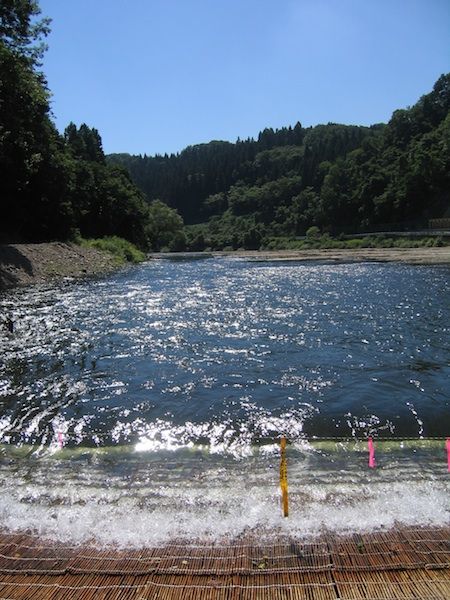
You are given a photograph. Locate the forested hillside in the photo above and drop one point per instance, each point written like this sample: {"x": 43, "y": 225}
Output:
{"x": 336, "y": 177}
{"x": 188, "y": 181}
{"x": 52, "y": 186}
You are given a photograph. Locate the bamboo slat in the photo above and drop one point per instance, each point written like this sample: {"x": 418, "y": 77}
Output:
{"x": 409, "y": 563}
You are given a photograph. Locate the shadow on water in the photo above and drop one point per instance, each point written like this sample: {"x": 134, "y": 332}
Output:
{"x": 181, "y": 256}
{"x": 423, "y": 366}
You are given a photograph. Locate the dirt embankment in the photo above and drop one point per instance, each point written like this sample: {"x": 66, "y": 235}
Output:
{"x": 22, "y": 264}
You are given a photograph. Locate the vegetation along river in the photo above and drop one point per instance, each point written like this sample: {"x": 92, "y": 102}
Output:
{"x": 148, "y": 405}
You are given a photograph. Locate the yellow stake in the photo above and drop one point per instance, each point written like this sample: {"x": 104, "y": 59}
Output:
{"x": 283, "y": 478}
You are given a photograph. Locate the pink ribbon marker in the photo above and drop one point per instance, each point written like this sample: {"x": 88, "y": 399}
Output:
{"x": 371, "y": 453}
{"x": 447, "y": 446}
{"x": 60, "y": 440}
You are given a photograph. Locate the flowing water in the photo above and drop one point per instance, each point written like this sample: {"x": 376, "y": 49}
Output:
{"x": 148, "y": 405}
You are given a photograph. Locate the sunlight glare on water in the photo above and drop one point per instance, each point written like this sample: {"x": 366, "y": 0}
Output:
{"x": 144, "y": 404}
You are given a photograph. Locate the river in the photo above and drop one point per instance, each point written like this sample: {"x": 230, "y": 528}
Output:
{"x": 148, "y": 405}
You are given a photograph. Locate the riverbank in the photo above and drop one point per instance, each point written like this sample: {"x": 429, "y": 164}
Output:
{"x": 412, "y": 256}
{"x": 24, "y": 264}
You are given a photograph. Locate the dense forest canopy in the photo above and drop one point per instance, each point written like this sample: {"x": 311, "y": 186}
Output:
{"x": 338, "y": 178}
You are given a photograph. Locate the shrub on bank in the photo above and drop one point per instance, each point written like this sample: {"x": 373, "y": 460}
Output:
{"x": 370, "y": 241}
{"x": 123, "y": 250}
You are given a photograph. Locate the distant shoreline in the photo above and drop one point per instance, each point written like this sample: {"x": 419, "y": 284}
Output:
{"x": 412, "y": 256}
{"x": 27, "y": 264}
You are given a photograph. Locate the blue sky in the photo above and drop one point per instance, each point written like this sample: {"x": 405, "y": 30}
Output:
{"x": 155, "y": 76}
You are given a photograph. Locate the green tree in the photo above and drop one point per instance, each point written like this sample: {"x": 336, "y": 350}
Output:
{"x": 165, "y": 227}
{"x": 53, "y": 185}
{"x": 31, "y": 156}
{"x": 84, "y": 142}
{"x": 21, "y": 32}
{"x": 313, "y": 233}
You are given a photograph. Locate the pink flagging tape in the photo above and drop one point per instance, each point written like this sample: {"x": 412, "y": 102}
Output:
{"x": 60, "y": 440}
{"x": 447, "y": 446}
{"x": 371, "y": 453}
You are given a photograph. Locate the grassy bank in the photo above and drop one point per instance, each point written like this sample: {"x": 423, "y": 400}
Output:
{"x": 205, "y": 237}
{"x": 327, "y": 242}
{"x": 122, "y": 250}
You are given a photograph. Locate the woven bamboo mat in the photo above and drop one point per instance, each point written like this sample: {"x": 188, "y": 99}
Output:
{"x": 404, "y": 563}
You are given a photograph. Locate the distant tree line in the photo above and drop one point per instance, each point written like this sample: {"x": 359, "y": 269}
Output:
{"x": 336, "y": 177}
{"x": 56, "y": 186}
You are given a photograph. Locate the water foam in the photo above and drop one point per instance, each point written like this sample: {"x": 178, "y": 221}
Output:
{"x": 141, "y": 499}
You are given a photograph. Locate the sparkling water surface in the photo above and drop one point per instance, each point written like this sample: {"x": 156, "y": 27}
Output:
{"x": 148, "y": 405}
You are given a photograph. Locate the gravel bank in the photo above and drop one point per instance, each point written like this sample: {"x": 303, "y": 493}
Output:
{"x": 414, "y": 256}
{"x": 23, "y": 264}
